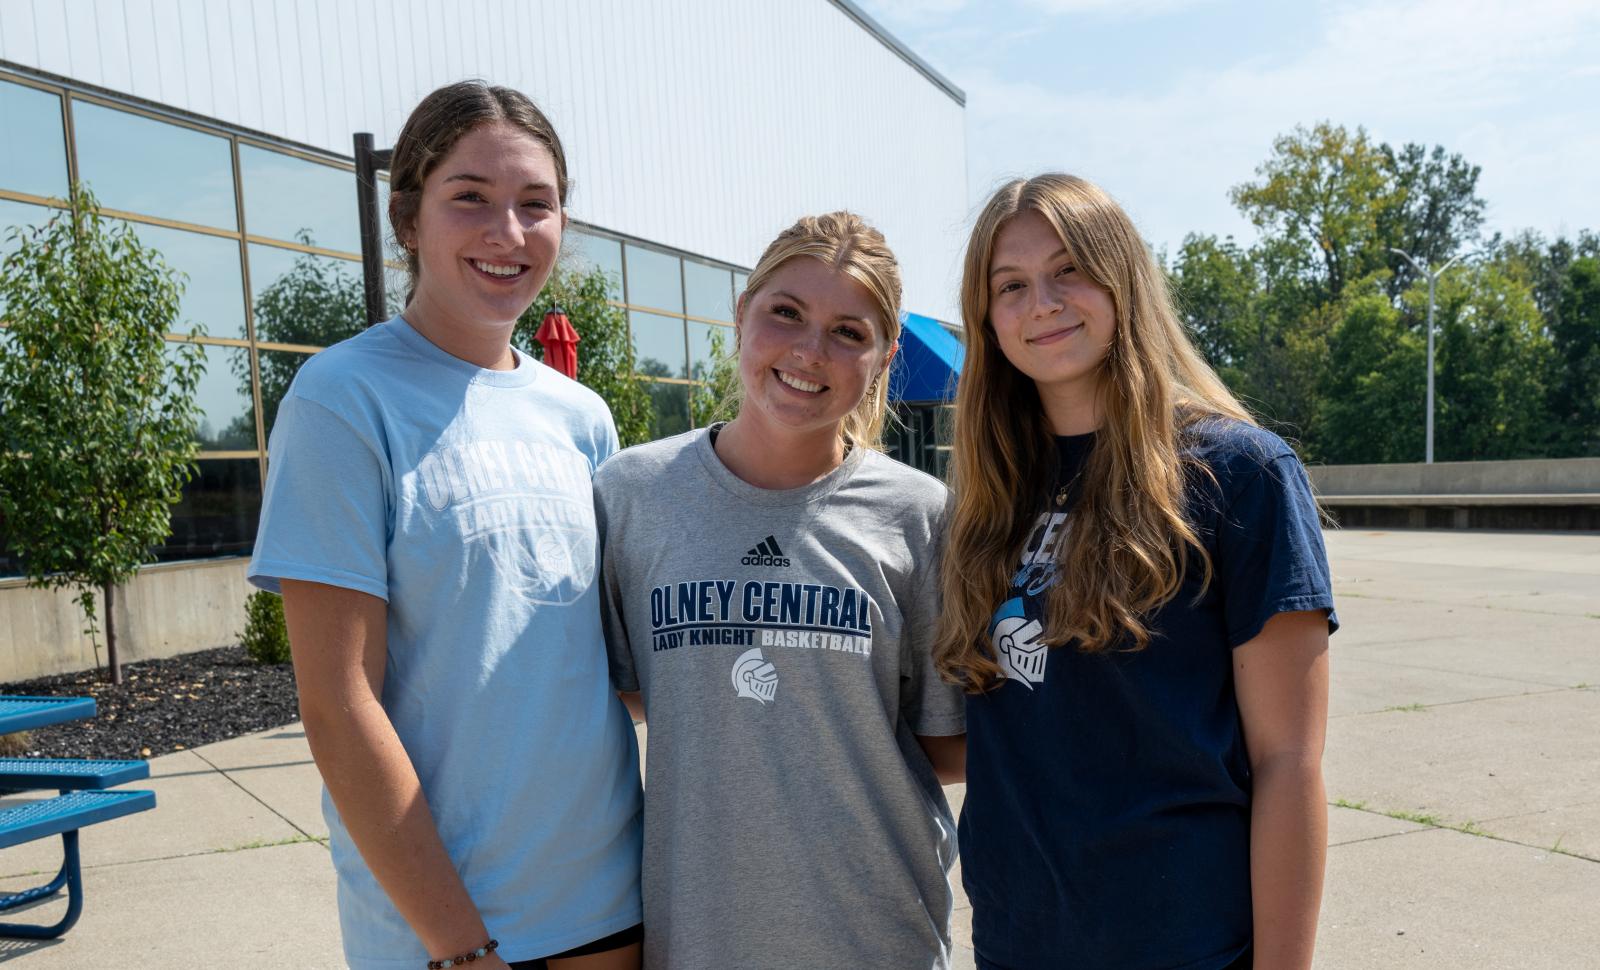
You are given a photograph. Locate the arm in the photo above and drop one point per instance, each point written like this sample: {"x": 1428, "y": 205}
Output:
{"x": 338, "y": 638}
{"x": 634, "y": 702}
{"x": 1281, "y": 679}
{"x": 947, "y": 755}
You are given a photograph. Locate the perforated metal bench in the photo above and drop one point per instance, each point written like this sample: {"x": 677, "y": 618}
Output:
{"x": 83, "y": 801}
{"x": 68, "y": 774}
{"x": 27, "y": 713}
{"x": 63, "y": 815}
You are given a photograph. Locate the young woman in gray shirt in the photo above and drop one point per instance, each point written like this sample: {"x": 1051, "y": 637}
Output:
{"x": 771, "y": 591}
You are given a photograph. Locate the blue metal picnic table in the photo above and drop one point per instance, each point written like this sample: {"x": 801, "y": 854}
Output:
{"x": 82, "y": 801}
{"x": 27, "y": 713}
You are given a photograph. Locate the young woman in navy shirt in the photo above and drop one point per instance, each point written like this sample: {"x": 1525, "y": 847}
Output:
{"x": 1137, "y": 599}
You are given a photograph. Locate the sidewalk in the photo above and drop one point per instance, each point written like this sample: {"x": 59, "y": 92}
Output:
{"x": 1462, "y": 760}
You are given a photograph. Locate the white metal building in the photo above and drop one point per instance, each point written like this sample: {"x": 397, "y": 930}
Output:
{"x": 222, "y": 133}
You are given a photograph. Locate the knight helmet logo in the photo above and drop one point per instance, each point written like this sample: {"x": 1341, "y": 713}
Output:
{"x": 1017, "y": 647}
{"x": 755, "y": 678}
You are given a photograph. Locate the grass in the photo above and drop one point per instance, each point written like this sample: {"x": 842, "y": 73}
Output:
{"x": 1413, "y": 708}
{"x": 1432, "y": 821}
{"x": 270, "y": 843}
{"x": 1346, "y": 803}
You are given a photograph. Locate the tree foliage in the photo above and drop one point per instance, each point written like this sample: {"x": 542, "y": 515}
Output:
{"x": 1322, "y": 329}
{"x": 98, "y": 436}
{"x": 605, "y": 355}
{"x": 317, "y": 303}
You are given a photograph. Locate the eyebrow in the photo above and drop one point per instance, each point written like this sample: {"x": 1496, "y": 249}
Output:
{"x": 485, "y": 180}
{"x": 997, "y": 270}
{"x": 785, "y": 294}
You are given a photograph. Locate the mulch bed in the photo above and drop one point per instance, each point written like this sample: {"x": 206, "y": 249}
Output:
{"x": 164, "y": 705}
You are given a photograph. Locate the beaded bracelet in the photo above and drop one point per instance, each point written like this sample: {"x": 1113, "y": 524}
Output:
{"x": 467, "y": 957}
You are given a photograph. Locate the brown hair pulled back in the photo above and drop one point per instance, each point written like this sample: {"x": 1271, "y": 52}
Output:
{"x": 436, "y": 124}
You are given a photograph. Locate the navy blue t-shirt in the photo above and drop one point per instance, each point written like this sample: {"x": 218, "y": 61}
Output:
{"x": 1107, "y": 816}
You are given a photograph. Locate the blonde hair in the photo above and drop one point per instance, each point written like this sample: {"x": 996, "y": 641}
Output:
{"x": 1130, "y": 542}
{"x": 845, "y": 242}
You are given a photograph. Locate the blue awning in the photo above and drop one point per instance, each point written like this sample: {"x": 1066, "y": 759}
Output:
{"x": 929, "y": 361}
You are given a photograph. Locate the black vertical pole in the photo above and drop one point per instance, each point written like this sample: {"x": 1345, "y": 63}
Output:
{"x": 368, "y": 162}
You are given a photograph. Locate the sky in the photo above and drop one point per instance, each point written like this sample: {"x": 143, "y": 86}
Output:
{"x": 1170, "y": 103}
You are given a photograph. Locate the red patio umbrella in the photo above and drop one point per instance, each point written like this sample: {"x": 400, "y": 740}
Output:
{"x": 560, "y": 342}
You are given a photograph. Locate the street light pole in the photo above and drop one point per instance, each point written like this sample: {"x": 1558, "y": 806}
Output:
{"x": 1433, "y": 279}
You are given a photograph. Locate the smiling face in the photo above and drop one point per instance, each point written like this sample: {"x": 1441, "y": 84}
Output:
{"x": 810, "y": 343}
{"x": 487, "y": 231}
{"x": 1051, "y": 321}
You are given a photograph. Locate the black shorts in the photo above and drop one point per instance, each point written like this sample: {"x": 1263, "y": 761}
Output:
{"x": 615, "y": 941}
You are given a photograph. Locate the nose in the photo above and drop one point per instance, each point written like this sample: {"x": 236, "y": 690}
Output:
{"x": 504, "y": 228}
{"x": 1046, "y": 300}
{"x": 809, "y": 347}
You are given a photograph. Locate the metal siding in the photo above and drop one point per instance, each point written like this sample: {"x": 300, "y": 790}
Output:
{"x": 18, "y": 42}
{"x": 706, "y": 126}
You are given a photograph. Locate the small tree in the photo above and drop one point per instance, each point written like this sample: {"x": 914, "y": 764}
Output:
{"x": 98, "y": 432}
{"x": 605, "y": 355}
{"x": 718, "y": 398}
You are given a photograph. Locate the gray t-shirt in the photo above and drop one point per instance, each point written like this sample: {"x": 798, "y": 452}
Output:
{"x": 781, "y": 640}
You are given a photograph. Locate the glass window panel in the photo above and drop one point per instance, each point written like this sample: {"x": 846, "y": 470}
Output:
{"x": 278, "y": 368}
{"x": 708, "y": 291}
{"x": 218, "y": 512}
{"x": 16, "y": 214}
{"x": 141, "y": 165}
{"x": 33, "y": 153}
{"x": 227, "y": 421}
{"x": 585, "y": 251}
{"x": 213, "y": 291}
{"x": 654, "y": 279}
{"x": 740, "y": 281}
{"x": 658, "y": 349}
{"x": 301, "y": 298}
{"x": 287, "y": 198}
{"x": 669, "y": 408}
{"x": 701, "y": 359}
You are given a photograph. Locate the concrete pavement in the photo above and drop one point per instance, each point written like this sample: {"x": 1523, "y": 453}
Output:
{"x": 1463, "y": 763}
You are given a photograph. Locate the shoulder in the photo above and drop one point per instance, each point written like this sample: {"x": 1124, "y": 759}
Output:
{"x": 917, "y": 490}
{"x": 1233, "y": 449}
{"x": 579, "y": 397}
{"x": 641, "y": 464}
{"x": 339, "y": 377}
{"x": 887, "y": 496}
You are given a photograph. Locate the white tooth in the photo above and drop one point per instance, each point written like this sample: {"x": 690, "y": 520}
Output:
{"x": 797, "y": 383}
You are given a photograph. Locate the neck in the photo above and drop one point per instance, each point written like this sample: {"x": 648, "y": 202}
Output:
{"x": 484, "y": 345}
{"x": 1075, "y": 409}
{"x": 778, "y": 461}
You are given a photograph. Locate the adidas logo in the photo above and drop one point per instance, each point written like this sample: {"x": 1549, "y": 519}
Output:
{"x": 765, "y": 554}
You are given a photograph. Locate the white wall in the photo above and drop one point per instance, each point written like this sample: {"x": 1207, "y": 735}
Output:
{"x": 163, "y": 611}
{"x": 705, "y": 125}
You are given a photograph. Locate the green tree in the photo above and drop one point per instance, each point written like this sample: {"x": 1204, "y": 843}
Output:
{"x": 1575, "y": 383}
{"x": 1434, "y": 208}
{"x": 98, "y": 436}
{"x": 605, "y": 355}
{"x": 1217, "y": 290}
{"x": 1373, "y": 391}
{"x": 317, "y": 303}
{"x": 718, "y": 398}
{"x": 1324, "y": 192}
{"x": 1492, "y": 358}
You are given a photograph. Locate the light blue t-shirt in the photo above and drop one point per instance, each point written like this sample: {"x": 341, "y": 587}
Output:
{"x": 462, "y": 497}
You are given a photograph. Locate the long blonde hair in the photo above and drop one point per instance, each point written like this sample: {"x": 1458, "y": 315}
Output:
{"x": 845, "y": 242}
{"x": 1130, "y": 542}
